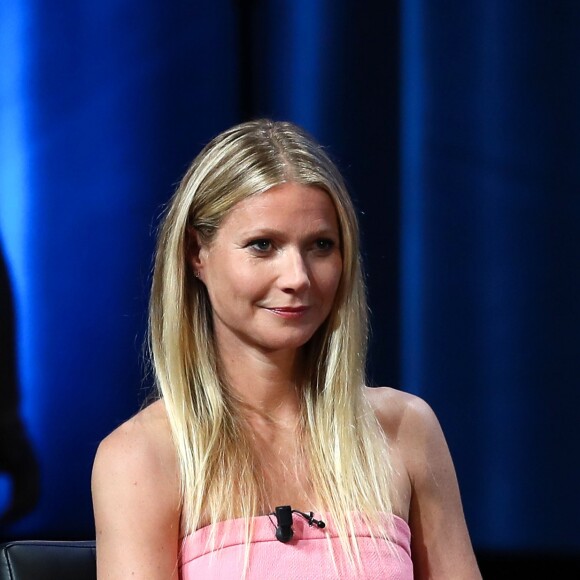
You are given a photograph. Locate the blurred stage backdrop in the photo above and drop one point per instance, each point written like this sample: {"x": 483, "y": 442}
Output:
{"x": 457, "y": 126}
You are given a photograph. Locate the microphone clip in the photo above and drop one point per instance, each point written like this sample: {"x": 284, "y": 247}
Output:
{"x": 284, "y": 531}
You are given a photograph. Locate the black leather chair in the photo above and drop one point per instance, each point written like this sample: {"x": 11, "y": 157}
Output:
{"x": 47, "y": 560}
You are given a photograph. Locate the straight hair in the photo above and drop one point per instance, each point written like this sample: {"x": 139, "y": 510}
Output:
{"x": 340, "y": 438}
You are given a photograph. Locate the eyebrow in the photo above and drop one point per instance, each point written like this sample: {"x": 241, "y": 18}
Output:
{"x": 272, "y": 232}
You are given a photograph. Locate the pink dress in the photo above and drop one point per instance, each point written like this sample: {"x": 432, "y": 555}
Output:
{"x": 306, "y": 555}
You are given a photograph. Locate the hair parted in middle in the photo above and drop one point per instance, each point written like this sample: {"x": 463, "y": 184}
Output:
{"x": 341, "y": 440}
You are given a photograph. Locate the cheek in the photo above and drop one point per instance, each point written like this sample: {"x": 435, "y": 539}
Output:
{"x": 329, "y": 279}
{"x": 232, "y": 281}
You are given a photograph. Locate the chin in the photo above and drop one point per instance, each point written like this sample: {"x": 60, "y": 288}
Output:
{"x": 291, "y": 342}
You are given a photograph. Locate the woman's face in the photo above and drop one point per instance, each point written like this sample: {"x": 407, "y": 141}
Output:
{"x": 273, "y": 268}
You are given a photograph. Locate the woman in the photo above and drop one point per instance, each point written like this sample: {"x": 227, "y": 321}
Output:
{"x": 257, "y": 337}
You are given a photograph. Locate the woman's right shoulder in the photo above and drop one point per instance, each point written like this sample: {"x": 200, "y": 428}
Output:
{"x": 138, "y": 457}
{"x": 143, "y": 441}
{"x": 136, "y": 498}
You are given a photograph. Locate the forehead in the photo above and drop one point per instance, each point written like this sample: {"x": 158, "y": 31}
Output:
{"x": 284, "y": 205}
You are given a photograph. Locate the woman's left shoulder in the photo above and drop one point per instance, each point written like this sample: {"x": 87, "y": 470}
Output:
{"x": 441, "y": 545}
{"x": 402, "y": 414}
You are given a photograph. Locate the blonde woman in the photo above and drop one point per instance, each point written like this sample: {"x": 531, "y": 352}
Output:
{"x": 265, "y": 455}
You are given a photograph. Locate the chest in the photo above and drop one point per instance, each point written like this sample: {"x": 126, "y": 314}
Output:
{"x": 286, "y": 478}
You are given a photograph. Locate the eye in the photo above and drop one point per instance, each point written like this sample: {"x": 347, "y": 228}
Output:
{"x": 261, "y": 245}
{"x": 324, "y": 244}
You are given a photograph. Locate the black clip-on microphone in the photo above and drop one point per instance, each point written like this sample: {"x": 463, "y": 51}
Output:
{"x": 284, "y": 531}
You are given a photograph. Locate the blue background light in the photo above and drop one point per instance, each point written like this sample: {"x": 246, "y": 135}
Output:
{"x": 457, "y": 128}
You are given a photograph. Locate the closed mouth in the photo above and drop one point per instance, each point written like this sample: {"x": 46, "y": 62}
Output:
{"x": 289, "y": 312}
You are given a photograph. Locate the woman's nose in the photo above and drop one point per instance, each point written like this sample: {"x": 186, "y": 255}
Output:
{"x": 294, "y": 272}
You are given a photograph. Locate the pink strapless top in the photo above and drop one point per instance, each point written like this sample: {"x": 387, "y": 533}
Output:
{"x": 307, "y": 554}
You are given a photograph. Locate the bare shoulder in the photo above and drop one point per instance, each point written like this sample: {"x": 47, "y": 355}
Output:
{"x": 402, "y": 415}
{"x": 412, "y": 428}
{"x": 441, "y": 545}
{"x": 141, "y": 444}
{"x": 135, "y": 489}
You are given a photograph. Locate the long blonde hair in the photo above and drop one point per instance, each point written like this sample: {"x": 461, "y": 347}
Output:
{"x": 342, "y": 442}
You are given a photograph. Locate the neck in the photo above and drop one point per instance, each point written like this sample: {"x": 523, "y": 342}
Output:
{"x": 264, "y": 383}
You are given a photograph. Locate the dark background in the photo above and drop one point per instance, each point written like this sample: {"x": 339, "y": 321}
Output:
{"x": 457, "y": 127}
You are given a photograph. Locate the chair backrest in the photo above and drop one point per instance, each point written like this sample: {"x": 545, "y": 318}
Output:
{"x": 47, "y": 560}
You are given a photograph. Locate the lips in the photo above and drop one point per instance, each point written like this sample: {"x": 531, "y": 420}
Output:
{"x": 289, "y": 311}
